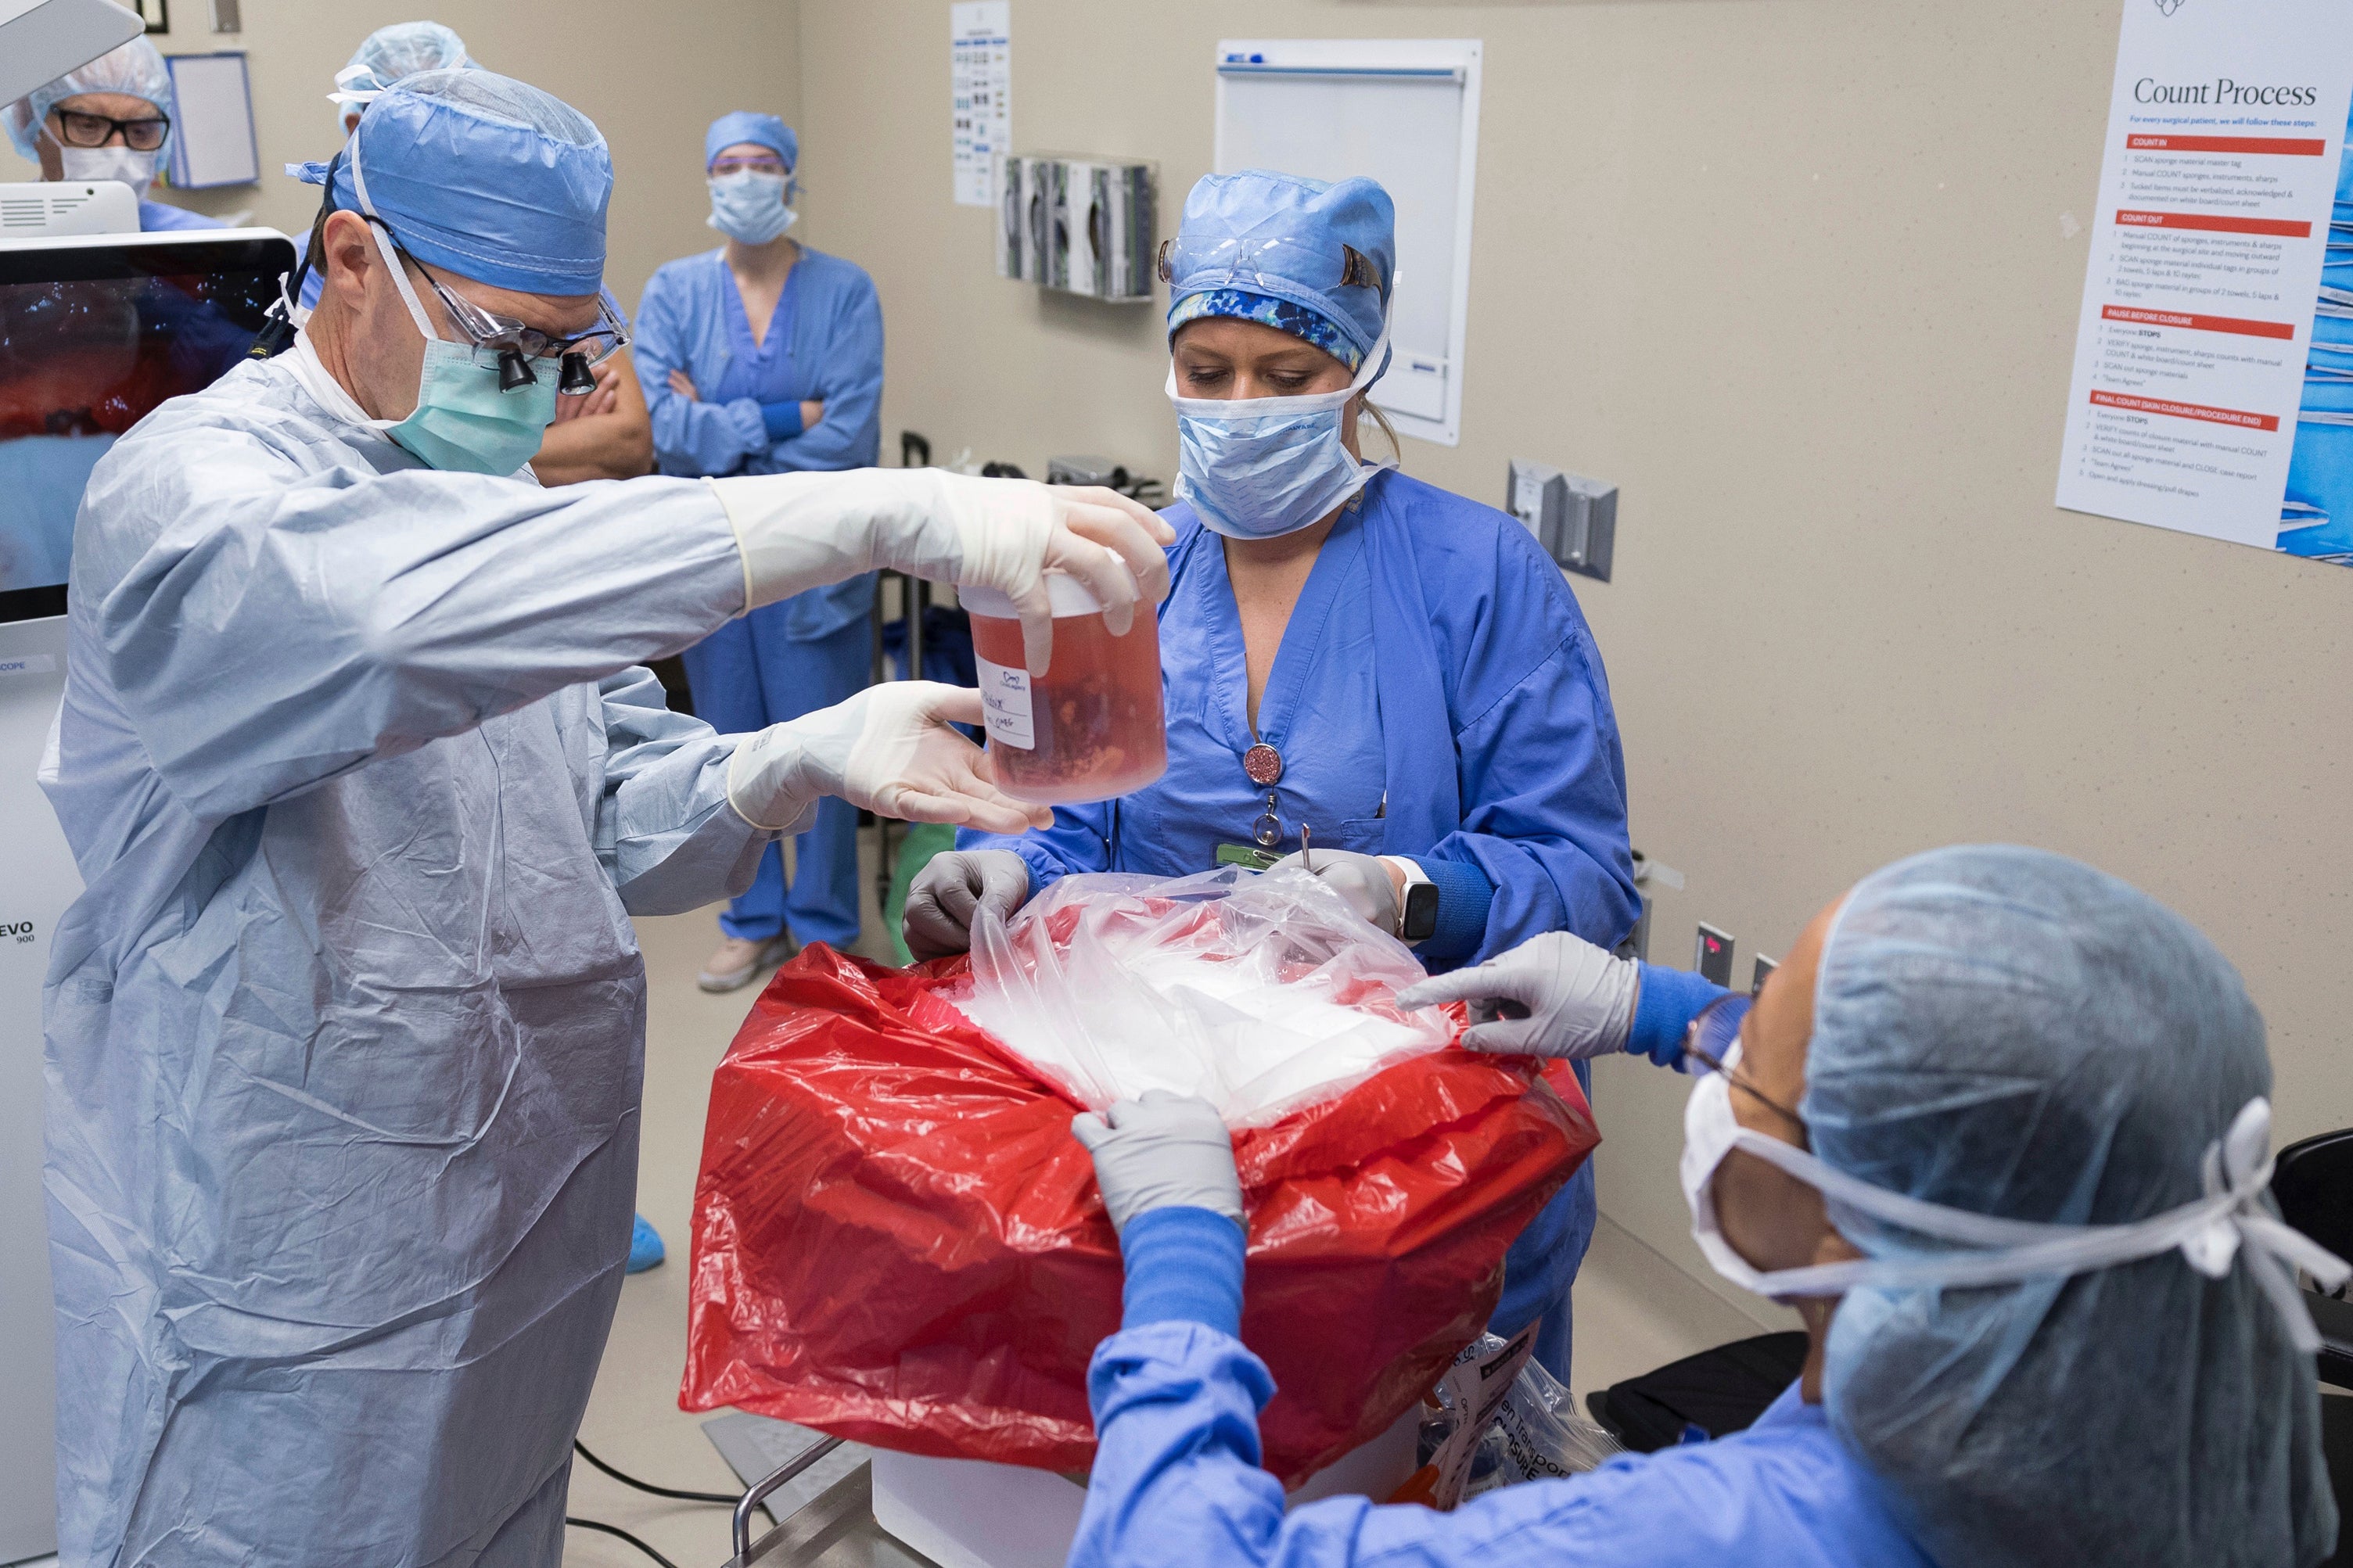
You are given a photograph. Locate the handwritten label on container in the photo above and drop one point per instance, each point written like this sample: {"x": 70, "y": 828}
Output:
{"x": 1004, "y": 693}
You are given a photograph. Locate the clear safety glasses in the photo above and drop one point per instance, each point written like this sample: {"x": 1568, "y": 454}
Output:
{"x": 1712, "y": 1040}
{"x": 1234, "y": 262}
{"x": 515, "y": 345}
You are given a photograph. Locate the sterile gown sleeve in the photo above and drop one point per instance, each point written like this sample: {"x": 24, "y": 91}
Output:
{"x": 849, "y": 381}
{"x": 1176, "y": 1481}
{"x": 264, "y": 636}
{"x": 665, "y": 832}
{"x": 691, "y": 437}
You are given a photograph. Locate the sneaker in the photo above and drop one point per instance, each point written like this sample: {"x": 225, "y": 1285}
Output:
{"x": 739, "y": 961}
{"x": 645, "y": 1246}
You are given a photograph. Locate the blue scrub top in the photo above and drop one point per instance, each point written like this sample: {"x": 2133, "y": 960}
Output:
{"x": 1176, "y": 1481}
{"x": 1429, "y": 629}
{"x": 824, "y": 342}
{"x": 162, "y": 217}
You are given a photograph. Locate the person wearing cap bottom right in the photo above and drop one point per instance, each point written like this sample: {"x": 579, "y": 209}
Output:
{"x": 1350, "y": 657}
{"x": 1999, "y": 1130}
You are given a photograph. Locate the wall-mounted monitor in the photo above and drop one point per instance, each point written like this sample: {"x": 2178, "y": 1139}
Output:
{"x": 94, "y": 334}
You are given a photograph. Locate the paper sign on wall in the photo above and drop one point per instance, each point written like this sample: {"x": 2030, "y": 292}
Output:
{"x": 980, "y": 52}
{"x": 2209, "y": 393}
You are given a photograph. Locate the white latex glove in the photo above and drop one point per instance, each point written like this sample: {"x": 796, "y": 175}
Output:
{"x": 1164, "y": 1151}
{"x": 888, "y": 750}
{"x": 948, "y": 894}
{"x": 1574, "y": 1000}
{"x": 1365, "y": 880}
{"x": 804, "y": 530}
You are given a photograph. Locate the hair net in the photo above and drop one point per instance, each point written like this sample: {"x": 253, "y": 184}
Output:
{"x": 475, "y": 172}
{"x": 1264, "y": 234}
{"x": 2013, "y": 1033}
{"x": 760, "y": 130}
{"x": 392, "y": 52}
{"x": 135, "y": 69}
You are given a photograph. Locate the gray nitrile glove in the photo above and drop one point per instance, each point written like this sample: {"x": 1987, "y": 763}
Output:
{"x": 948, "y": 894}
{"x": 1164, "y": 1151}
{"x": 1579, "y": 1000}
{"x": 1363, "y": 879}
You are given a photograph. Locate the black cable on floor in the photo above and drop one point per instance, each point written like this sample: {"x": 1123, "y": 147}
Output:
{"x": 617, "y": 1531}
{"x": 725, "y": 1500}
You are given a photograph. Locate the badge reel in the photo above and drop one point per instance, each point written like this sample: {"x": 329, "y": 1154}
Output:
{"x": 1263, "y": 764}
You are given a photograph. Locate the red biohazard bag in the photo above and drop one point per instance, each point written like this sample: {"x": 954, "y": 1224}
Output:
{"x": 898, "y": 1241}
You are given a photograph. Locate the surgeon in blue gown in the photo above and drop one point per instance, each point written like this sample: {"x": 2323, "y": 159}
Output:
{"x": 1349, "y": 654}
{"x": 1970, "y": 1039}
{"x": 63, "y": 125}
{"x": 765, "y": 357}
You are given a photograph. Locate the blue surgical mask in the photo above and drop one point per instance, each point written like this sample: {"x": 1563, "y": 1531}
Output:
{"x": 464, "y": 422}
{"x": 1257, "y": 467}
{"x": 749, "y": 206}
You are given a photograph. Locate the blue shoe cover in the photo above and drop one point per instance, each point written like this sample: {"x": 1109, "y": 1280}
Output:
{"x": 645, "y": 1246}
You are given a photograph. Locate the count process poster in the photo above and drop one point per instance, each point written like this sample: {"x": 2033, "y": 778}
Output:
{"x": 2214, "y": 382}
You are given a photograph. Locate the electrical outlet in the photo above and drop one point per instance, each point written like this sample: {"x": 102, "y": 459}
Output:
{"x": 1764, "y": 966}
{"x": 1574, "y": 517}
{"x": 1713, "y": 957}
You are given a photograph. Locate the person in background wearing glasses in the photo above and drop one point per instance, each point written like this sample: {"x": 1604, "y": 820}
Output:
{"x": 364, "y": 778}
{"x": 109, "y": 119}
{"x": 764, "y": 356}
{"x": 601, "y": 435}
{"x": 1355, "y": 662}
{"x": 1999, "y": 1130}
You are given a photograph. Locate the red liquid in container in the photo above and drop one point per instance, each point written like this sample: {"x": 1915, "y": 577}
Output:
{"x": 1091, "y": 727}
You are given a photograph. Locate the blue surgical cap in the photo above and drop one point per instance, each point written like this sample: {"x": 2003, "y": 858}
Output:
{"x": 2011, "y": 1031}
{"x": 482, "y": 174}
{"x": 760, "y": 130}
{"x": 1330, "y": 248}
{"x": 135, "y": 69}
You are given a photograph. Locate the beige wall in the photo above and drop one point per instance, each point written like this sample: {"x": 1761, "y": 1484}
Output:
{"x": 1793, "y": 273}
{"x": 651, "y": 77}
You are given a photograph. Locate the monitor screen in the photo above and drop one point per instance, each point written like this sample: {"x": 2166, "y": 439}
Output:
{"x": 92, "y": 337}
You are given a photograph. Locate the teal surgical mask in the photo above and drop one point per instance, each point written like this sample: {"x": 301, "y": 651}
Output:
{"x": 464, "y": 422}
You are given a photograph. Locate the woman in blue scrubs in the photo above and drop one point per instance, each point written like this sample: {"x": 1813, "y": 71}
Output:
{"x": 762, "y": 357}
{"x": 1350, "y": 655}
{"x": 1986, "y": 1067}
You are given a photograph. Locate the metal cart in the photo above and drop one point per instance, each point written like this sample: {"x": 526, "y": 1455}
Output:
{"x": 834, "y": 1529}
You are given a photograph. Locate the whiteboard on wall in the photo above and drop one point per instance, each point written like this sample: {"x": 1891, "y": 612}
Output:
{"x": 212, "y": 138}
{"x": 1404, "y": 111}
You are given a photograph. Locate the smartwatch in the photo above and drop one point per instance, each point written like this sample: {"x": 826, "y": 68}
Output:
{"x": 1417, "y": 915}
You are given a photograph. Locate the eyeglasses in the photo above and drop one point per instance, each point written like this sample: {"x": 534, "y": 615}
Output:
{"x": 1246, "y": 263}
{"x": 1713, "y": 1038}
{"x": 76, "y": 129}
{"x": 515, "y": 345}
{"x": 749, "y": 166}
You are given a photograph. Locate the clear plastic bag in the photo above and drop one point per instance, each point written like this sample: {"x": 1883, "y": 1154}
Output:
{"x": 1261, "y": 992}
{"x": 1480, "y": 1432}
{"x": 1537, "y": 1435}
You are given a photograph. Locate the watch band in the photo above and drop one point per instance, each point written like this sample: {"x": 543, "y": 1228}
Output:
{"x": 1418, "y": 911}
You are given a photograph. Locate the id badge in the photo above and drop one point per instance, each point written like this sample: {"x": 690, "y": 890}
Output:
{"x": 1249, "y": 857}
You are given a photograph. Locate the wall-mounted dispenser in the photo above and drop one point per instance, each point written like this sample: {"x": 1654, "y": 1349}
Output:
{"x": 1084, "y": 226}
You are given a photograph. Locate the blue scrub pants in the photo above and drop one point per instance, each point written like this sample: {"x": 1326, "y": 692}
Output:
{"x": 746, "y": 676}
